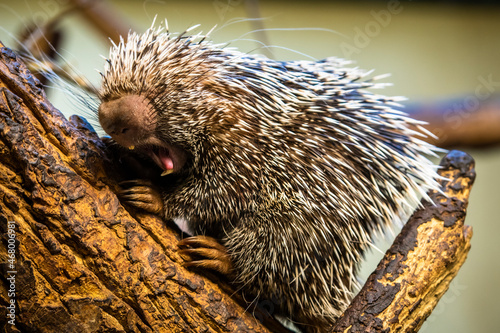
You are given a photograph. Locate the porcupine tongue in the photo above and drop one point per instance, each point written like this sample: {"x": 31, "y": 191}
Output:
{"x": 166, "y": 162}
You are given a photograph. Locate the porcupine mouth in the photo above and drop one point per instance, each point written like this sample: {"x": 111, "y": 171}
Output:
{"x": 161, "y": 156}
{"x": 169, "y": 158}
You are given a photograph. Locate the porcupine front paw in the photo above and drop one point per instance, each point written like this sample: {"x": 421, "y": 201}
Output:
{"x": 206, "y": 253}
{"x": 141, "y": 194}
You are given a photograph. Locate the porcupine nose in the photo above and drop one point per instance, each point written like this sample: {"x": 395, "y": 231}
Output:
{"x": 126, "y": 119}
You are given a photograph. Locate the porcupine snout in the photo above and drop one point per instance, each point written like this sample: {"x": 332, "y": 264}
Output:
{"x": 126, "y": 119}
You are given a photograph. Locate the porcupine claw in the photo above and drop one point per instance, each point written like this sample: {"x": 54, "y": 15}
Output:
{"x": 141, "y": 194}
{"x": 207, "y": 253}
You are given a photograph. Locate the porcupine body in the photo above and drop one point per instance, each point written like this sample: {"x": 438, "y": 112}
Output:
{"x": 292, "y": 166}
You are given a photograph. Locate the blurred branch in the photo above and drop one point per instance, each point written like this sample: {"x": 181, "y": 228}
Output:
{"x": 457, "y": 124}
{"x": 40, "y": 45}
{"x": 104, "y": 18}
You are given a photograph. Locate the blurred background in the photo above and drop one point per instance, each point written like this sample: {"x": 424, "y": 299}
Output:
{"x": 443, "y": 55}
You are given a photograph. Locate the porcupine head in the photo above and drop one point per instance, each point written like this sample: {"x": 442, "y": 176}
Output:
{"x": 291, "y": 166}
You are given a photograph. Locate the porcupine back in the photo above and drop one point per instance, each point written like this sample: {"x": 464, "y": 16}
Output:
{"x": 294, "y": 164}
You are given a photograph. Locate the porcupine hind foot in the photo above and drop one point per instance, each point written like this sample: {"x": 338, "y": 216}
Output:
{"x": 141, "y": 194}
{"x": 206, "y": 253}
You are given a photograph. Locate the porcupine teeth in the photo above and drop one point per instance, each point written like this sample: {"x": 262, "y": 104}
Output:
{"x": 167, "y": 172}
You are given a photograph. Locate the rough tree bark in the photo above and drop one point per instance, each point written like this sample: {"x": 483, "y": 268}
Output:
{"x": 78, "y": 261}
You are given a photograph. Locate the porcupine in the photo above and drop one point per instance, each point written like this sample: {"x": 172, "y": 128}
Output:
{"x": 285, "y": 168}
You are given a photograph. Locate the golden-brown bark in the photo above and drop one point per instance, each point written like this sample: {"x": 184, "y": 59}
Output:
{"x": 85, "y": 263}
